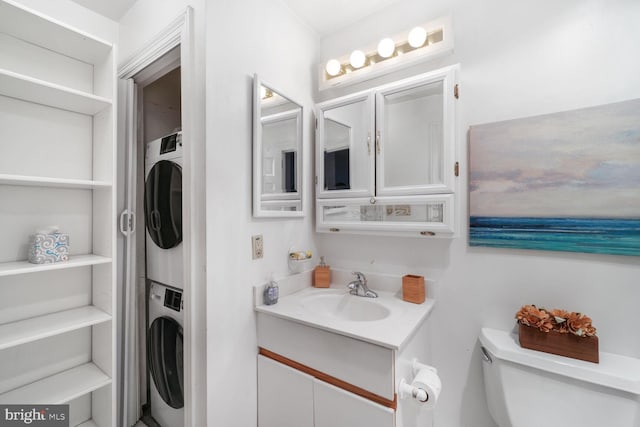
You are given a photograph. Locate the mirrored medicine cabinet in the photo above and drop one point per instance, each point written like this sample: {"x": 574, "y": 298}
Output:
{"x": 385, "y": 158}
{"x": 277, "y": 153}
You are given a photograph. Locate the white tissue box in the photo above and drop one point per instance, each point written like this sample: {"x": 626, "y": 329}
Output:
{"x": 49, "y": 248}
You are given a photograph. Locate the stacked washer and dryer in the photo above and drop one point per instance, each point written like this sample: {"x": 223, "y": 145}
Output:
{"x": 164, "y": 265}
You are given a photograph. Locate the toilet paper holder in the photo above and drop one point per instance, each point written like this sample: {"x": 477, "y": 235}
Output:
{"x": 407, "y": 390}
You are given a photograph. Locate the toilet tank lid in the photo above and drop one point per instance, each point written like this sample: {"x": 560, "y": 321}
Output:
{"x": 614, "y": 371}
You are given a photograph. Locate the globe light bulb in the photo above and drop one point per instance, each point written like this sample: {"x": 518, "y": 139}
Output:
{"x": 357, "y": 58}
{"x": 333, "y": 67}
{"x": 386, "y": 47}
{"x": 417, "y": 37}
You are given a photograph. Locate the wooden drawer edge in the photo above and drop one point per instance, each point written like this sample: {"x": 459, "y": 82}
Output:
{"x": 393, "y": 404}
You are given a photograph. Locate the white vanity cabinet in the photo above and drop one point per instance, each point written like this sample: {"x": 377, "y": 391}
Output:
{"x": 57, "y": 135}
{"x": 386, "y": 158}
{"x": 313, "y": 377}
{"x": 290, "y": 398}
{"x": 285, "y": 395}
{"x": 336, "y": 407}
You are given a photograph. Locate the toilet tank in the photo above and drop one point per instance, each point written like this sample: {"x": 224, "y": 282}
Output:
{"x": 528, "y": 388}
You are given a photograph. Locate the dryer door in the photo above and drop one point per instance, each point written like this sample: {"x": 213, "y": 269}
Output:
{"x": 163, "y": 204}
{"x": 165, "y": 360}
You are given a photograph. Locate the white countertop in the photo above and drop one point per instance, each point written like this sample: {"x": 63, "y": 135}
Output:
{"x": 392, "y": 331}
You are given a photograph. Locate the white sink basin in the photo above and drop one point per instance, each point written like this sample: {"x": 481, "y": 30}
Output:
{"x": 346, "y": 307}
{"x": 387, "y": 320}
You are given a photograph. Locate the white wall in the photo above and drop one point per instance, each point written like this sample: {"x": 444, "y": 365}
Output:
{"x": 246, "y": 37}
{"x": 147, "y": 18}
{"x": 517, "y": 59}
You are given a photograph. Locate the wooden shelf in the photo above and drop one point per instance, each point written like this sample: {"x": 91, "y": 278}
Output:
{"x": 36, "y": 328}
{"x": 24, "y": 267}
{"x": 34, "y": 27}
{"x": 59, "y": 388}
{"x": 41, "y": 181}
{"x": 29, "y": 89}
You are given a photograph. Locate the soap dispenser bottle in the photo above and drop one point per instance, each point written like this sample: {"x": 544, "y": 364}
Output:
{"x": 322, "y": 275}
{"x": 271, "y": 293}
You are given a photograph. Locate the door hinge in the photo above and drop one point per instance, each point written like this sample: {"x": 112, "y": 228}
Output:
{"x": 316, "y": 124}
{"x": 316, "y": 179}
{"x": 456, "y": 169}
{"x": 456, "y": 91}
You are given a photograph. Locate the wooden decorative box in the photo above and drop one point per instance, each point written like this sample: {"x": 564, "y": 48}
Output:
{"x": 413, "y": 288}
{"x": 568, "y": 345}
{"x": 322, "y": 276}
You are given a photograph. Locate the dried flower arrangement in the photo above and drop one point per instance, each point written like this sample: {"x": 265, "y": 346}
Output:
{"x": 558, "y": 332}
{"x": 562, "y": 321}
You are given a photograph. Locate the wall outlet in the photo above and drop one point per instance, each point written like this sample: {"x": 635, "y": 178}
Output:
{"x": 257, "y": 247}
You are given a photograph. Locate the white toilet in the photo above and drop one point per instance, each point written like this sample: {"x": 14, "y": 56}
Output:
{"x": 527, "y": 388}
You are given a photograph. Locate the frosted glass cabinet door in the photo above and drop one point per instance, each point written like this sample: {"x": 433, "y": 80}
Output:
{"x": 411, "y": 215}
{"x": 335, "y": 407}
{"x": 285, "y": 396}
{"x": 415, "y": 136}
{"x": 344, "y": 147}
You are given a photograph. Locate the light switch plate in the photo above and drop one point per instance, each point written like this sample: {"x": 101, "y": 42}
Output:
{"x": 257, "y": 247}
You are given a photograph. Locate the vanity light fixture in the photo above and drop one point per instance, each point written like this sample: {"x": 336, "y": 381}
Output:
{"x": 423, "y": 42}
{"x": 357, "y": 59}
{"x": 417, "y": 37}
{"x": 265, "y": 93}
{"x": 333, "y": 67}
{"x": 386, "y": 48}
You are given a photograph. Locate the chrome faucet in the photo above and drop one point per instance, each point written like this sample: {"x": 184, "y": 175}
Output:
{"x": 359, "y": 287}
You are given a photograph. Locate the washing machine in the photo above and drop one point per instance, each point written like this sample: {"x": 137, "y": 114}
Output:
{"x": 165, "y": 355}
{"x": 163, "y": 210}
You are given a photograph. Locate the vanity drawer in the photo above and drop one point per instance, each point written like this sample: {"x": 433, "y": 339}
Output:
{"x": 359, "y": 363}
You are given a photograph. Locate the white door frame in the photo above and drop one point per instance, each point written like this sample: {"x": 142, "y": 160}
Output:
{"x": 181, "y": 33}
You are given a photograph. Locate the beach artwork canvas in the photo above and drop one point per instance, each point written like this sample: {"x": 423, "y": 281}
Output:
{"x": 567, "y": 181}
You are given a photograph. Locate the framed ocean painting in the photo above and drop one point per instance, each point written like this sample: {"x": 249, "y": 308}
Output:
{"x": 566, "y": 181}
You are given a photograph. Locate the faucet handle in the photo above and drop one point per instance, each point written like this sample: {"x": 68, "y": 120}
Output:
{"x": 360, "y": 276}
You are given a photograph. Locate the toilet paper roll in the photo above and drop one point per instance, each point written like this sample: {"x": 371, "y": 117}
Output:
{"x": 427, "y": 379}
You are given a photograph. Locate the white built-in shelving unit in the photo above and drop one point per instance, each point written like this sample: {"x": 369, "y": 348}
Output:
{"x": 57, "y": 167}
{"x": 40, "y": 181}
{"x": 50, "y": 94}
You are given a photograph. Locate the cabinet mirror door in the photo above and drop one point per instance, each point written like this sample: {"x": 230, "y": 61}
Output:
{"x": 344, "y": 154}
{"x": 277, "y": 154}
{"x": 414, "y": 133}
